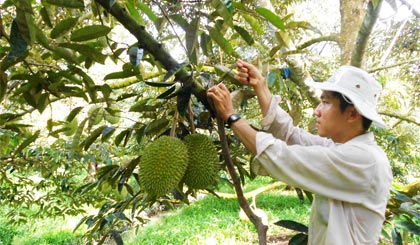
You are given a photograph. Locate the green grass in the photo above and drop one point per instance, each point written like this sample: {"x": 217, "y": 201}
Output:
{"x": 47, "y": 238}
{"x": 7, "y": 233}
{"x": 47, "y": 231}
{"x": 210, "y": 220}
{"x": 216, "y": 221}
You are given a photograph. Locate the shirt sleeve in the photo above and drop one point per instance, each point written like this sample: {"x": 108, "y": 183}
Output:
{"x": 341, "y": 172}
{"x": 280, "y": 125}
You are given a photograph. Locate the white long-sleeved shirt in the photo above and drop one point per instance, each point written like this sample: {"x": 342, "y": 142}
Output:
{"x": 350, "y": 181}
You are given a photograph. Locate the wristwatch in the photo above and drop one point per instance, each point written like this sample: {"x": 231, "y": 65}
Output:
{"x": 231, "y": 119}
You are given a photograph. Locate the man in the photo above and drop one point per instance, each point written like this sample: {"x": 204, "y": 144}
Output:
{"x": 348, "y": 173}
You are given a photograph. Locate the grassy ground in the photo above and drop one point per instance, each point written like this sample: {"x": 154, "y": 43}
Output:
{"x": 213, "y": 220}
{"x": 40, "y": 232}
{"x": 210, "y": 220}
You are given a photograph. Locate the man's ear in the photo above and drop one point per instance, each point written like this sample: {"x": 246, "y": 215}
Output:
{"x": 352, "y": 114}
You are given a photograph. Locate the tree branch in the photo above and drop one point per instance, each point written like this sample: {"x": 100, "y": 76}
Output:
{"x": 410, "y": 7}
{"x": 330, "y": 38}
{"x": 364, "y": 33}
{"x": 254, "y": 192}
{"x": 394, "y": 65}
{"x": 298, "y": 75}
{"x": 401, "y": 117}
{"x": 147, "y": 42}
{"x": 243, "y": 203}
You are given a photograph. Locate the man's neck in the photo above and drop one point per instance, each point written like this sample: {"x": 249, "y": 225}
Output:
{"x": 348, "y": 135}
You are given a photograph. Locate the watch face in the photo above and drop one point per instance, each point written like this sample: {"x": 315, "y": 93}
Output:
{"x": 233, "y": 118}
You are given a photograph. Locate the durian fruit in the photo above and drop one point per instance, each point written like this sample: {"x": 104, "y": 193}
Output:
{"x": 162, "y": 165}
{"x": 203, "y": 167}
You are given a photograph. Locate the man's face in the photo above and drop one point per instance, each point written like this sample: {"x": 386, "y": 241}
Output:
{"x": 329, "y": 118}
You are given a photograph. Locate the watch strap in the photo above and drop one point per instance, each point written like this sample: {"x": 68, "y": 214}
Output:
{"x": 231, "y": 119}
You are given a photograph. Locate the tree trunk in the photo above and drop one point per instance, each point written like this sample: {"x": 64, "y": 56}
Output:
{"x": 352, "y": 13}
{"x": 364, "y": 32}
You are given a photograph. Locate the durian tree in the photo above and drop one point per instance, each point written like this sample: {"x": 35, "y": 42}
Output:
{"x": 114, "y": 77}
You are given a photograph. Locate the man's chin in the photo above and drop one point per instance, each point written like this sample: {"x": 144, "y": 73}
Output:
{"x": 322, "y": 134}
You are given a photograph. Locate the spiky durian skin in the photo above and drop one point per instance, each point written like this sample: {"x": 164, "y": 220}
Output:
{"x": 203, "y": 167}
{"x": 162, "y": 165}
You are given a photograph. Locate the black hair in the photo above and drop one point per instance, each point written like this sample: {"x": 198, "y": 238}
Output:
{"x": 344, "y": 103}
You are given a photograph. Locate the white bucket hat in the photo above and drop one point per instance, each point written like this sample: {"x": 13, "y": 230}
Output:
{"x": 359, "y": 87}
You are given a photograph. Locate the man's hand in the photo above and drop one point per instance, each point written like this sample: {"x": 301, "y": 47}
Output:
{"x": 220, "y": 96}
{"x": 249, "y": 75}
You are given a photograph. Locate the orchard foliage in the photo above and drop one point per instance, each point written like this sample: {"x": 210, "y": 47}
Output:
{"x": 72, "y": 138}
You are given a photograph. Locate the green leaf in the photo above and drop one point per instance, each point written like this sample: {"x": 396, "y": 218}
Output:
{"x": 42, "y": 39}
{"x": 107, "y": 132}
{"x": 183, "y": 101}
{"x": 271, "y": 78}
{"x": 298, "y": 24}
{"x": 221, "y": 41}
{"x": 191, "y": 40}
{"x": 18, "y": 45}
{"x": 396, "y": 237}
{"x": 3, "y": 85}
{"x": 174, "y": 71}
{"x": 205, "y": 44}
{"x": 299, "y": 239}
{"x": 93, "y": 136}
{"x": 120, "y": 74}
{"x": 274, "y": 50}
{"x": 63, "y": 27}
{"x": 292, "y": 225}
{"x": 134, "y": 13}
{"x": 148, "y": 11}
{"x": 159, "y": 84}
{"x": 140, "y": 107}
{"x": 254, "y": 23}
{"x": 106, "y": 90}
{"x": 66, "y": 54}
{"x": 167, "y": 93}
{"x": 283, "y": 38}
{"x": 156, "y": 126}
{"x": 67, "y": 3}
{"x": 405, "y": 223}
{"x": 271, "y": 17}
{"x": 27, "y": 142}
{"x": 121, "y": 136}
{"x": 42, "y": 102}
{"x": 78, "y": 134}
{"x": 73, "y": 113}
{"x": 46, "y": 16}
{"x": 88, "y": 82}
{"x": 89, "y": 33}
{"x": 224, "y": 9}
{"x": 244, "y": 34}
{"x": 25, "y": 21}
{"x": 400, "y": 196}
{"x": 180, "y": 21}
{"x": 86, "y": 50}
{"x": 90, "y": 185}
